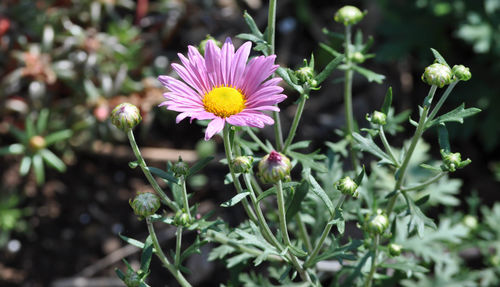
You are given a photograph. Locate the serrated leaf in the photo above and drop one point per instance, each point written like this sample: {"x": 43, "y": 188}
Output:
{"x": 369, "y": 75}
{"x": 329, "y": 69}
{"x": 309, "y": 160}
{"x": 456, "y": 115}
{"x": 387, "y": 101}
{"x": 439, "y": 58}
{"x": 237, "y": 198}
{"x": 318, "y": 190}
{"x": 199, "y": 165}
{"x": 235, "y": 260}
{"x": 418, "y": 220}
{"x": 220, "y": 252}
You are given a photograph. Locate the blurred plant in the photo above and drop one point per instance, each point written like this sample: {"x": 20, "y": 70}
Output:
{"x": 33, "y": 144}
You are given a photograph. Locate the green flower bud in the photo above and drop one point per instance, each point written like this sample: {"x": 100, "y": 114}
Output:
{"x": 358, "y": 57}
{"x": 274, "y": 167}
{"x": 348, "y": 15}
{"x": 305, "y": 74}
{"x": 395, "y": 249}
{"x": 125, "y": 116}
{"x": 437, "y": 74}
{"x": 145, "y": 204}
{"x": 378, "y": 118}
{"x": 378, "y": 223}
{"x": 243, "y": 164}
{"x": 180, "y": 168}
{"x": 132, "y": 279}
{"x": 461, "y": 73}
{"x": 203, "y": 44}
{"x": 347, "y": 186}
{"x": 37, "y": 143}
{"x": 182, "y": 219}
{"x": 470, "y": 221}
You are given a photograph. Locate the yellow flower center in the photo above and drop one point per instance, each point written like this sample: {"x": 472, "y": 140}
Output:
{"x": 224, "y": 102}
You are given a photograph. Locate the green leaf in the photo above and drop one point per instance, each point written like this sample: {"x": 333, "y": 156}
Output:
{"x": 235, "y": 260}
{"x": 199, "y": 165}
{"x": 250, "y": 37}
{"x": 29, "y": 126}
{"x": 237, "y": 198}
{"x": 163, "y": 174}
{"x": 318, "y": 190}
{"x": 367, "y": 144}
{"x": 418, "y": 220}
{"x": 24, "y": 168}
{"x": 439, "y": 58}
{"x": 12, "y": 149}
{"x": 52, "y": 160}
{"x": 405, "y": 266}
{"x": 329, "y": 69}
{"x": 283, "y": 73}
{"x": 147, "y": 253}
{"x": 193, "y": 248}
{"x": 18, "y": 134}
{"x": 309, "y": 160}
{"x": 340, "y": 253}
{"x": 456, "y": 115}
{"x": 299, "y": 145}
{"x": 41, "y": 123}
{"x": 252, "y": 25}
{"x": 39, "y": 169}
{"x": 91, "y": 90}
{"x": 58, "y": 136}
{"x": 359, "y": 177}
{"x": 132, "y": 241}
{"x": 330, "y": 50}
{"x": 387, "y": 101}
{"x": 296, "y": 202}
{"x": 444, "y": 142}
{"x": 120, "y": 274}
{"x": 369, "y": 75}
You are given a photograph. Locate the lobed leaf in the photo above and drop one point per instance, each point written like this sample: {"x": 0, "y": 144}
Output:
{"x": 456, "y": 115}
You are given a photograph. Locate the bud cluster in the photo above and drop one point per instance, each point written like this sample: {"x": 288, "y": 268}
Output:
{"x": 453, "y": 161}
{"x": 182, "y": 218}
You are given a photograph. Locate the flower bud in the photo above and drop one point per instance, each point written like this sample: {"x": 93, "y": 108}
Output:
{"x": 305, "y": 74}
{"x": 243, "y": 164}
{"x": 348, "y": 15}
{"x": 395, "y": 249}
{"x": 125, "y": 116}
{"x": 461, "y": 73}
{"x": 37, "y": 143}
{"x": 470, "y": 221}
{"x": 182, "y": 219}
{"x": 132, "y": 279}
{"x": 378, "y": 118}
{"x": 358, "y": 57}
{"x": 347, "y": 186}
{"x": 274, "y": 167}
{"x": 378, "y": 223}
{"x": 145, "y": 204}
{"x": 437, "y": 74}
{"x": 180, "y": 168}
{"x": 203, "y": 44}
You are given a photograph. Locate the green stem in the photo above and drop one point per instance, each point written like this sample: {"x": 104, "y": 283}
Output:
{"x": 159, "y": 252}
{"x": 404, "y": 166}
{"x": 178, "y": 244}
{"x": 387, "y": 147}
{"x": 442, "y": 100}
{"x": 425, "y": 183}
{"x": 303, "y": 233}
{"x": 282, "y": 213}
{"x": 148, "y": 174}
{"x": 325, "y": 233}
{"x": 257, "y": 140}
{"x": 185, "y": 197}
{"x": 296, "y": 119}
{"x": 369, "y": 278}
{"x": 348, "y": 98}
{"x": 236, "y": 181}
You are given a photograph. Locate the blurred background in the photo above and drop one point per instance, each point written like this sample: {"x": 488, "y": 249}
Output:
{"x": 64, "y": 64}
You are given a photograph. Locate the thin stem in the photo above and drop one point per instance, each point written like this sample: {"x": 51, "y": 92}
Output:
{"x": 281, "y": 212}
{"x": 303, "y": 232}
{"x": 148, "y": 174}
{"x": 159, "y": 252}
{"x": 387, "y": 147}
{"x": 296, "y": 119}
{"x": 185, "y": 197}
{"x": 369, "y": 279}
{"x": 425, "y": 183}
{"x": 442, "y": 100}
{"x": 236, "y": 181}
{"x": 257, "y": 140}
{"x": 348, "y": 98}
{"x": 404, "y": 166}
{"x": 178, "y": 244}
{"x": 325, "y": 233}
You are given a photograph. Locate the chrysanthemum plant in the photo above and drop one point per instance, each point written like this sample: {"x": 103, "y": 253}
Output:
{"x": 294, "y": 199}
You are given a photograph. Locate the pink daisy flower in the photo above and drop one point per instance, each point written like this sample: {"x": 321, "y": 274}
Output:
{"x": 223, "y": 88}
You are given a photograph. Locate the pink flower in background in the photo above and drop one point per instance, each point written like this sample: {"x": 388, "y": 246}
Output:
{"x": 222, "y": 87}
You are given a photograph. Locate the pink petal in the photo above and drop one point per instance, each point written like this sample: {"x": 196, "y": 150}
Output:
{"x": 215, "y": 126}
{"x": 227, "y": 54}
{"x": 212, "y": 62}
{"x": 239, "y": 63}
